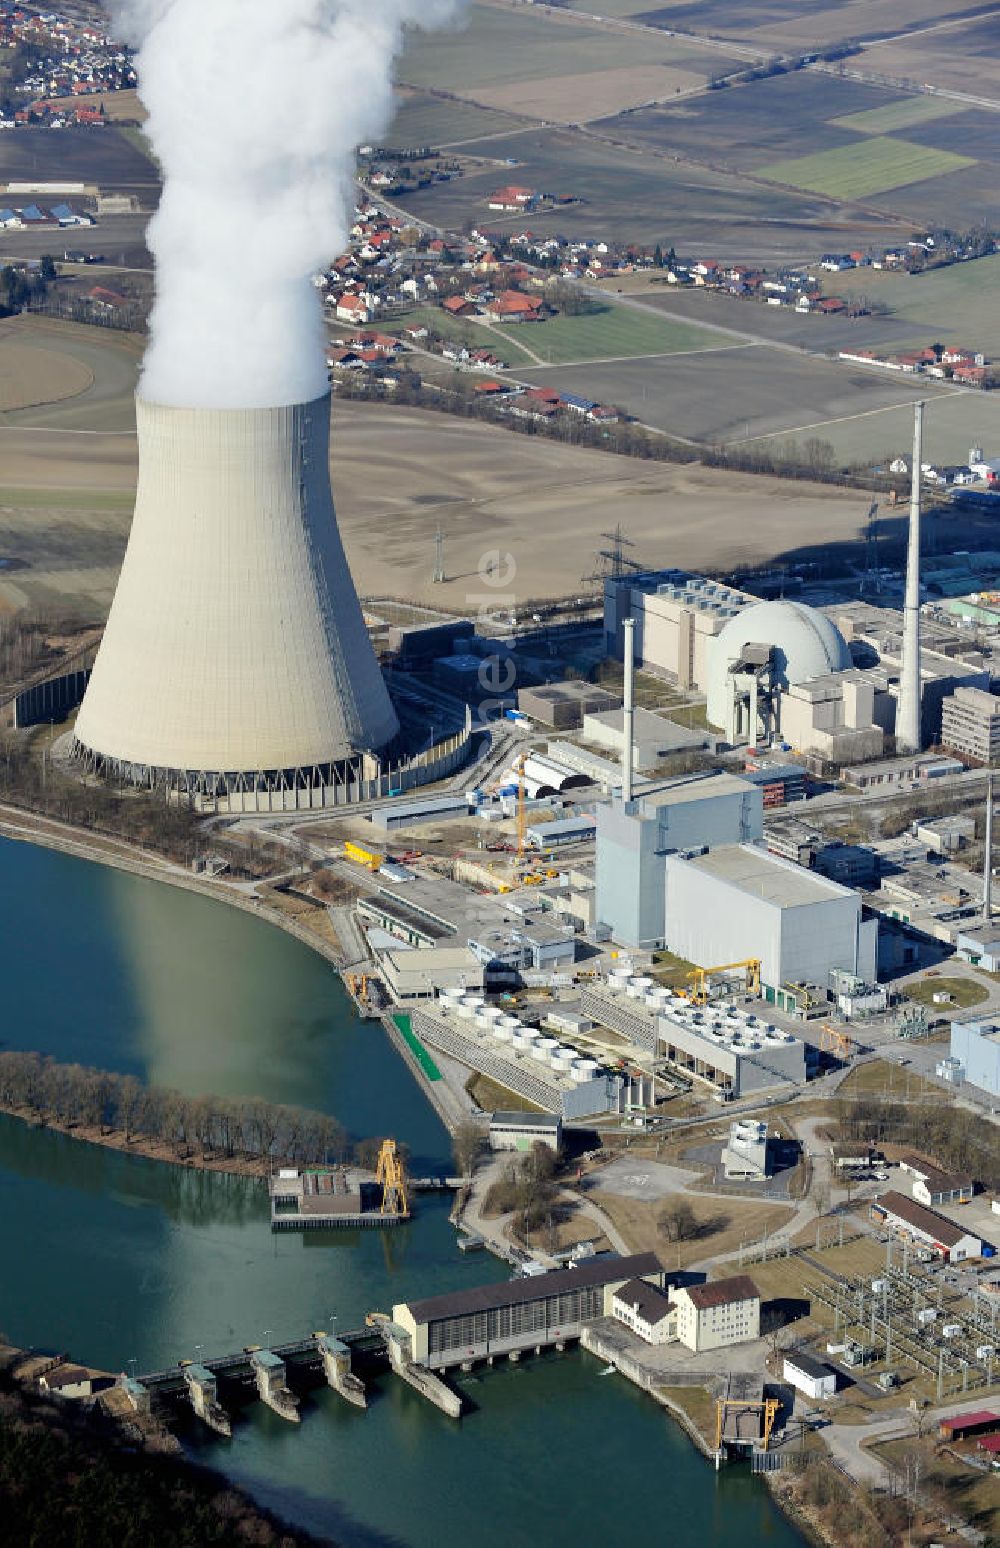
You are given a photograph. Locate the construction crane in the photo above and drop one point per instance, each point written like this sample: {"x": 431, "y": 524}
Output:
{"x": 835, "y": 1041}
{"x": 768, "y": 1408}
{"x": 522, "y": 815}
{"x": 391, "y": 1173}
{"x": 700, "y": 994}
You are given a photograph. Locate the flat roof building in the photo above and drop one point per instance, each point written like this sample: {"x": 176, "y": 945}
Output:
{"x": 654, "y": 737}
{"x": 633, "y": 841}
{"x": 739, "y": 901}
{"x": 517, "y": 1314}
{"x": 403, "y": 814}
{"x": 809, "y": 1375}
{"x": 746, "y": 1153}
{"x": 421, "y": 974}
{"x": 563, "y": 705}
{"x": 519, "y": 1131}
{"x": 970, "y": 725}
{"x": 977, "y": 1045}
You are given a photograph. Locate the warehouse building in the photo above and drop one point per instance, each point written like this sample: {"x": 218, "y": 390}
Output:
{"x": 926, "y": 1228}
{"x": 447, "y": 1330}
{"x": 976, "y": 1045}
{"x": 668, "y": 815}
{"x": 504, "y": 938}
{"x": 654, "y": 737}
{"x": 932, "y": 1186}
{"x": 739, "y": 901}
{"x": 404, "y": 814}
{"x": 564, "y": 705}
{"x": 411, "y": 974}
{"x": 519, "y": 1131}
{"x": 809, "y": 1375}
{"x": 717, "y": 1314}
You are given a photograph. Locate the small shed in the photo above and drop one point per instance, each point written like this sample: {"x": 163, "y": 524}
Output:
{"x": 810, "y": 1376}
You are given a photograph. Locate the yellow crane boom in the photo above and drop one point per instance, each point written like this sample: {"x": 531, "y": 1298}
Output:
{"x": 702, "y": 977}
{"x": 391, "y": 1173}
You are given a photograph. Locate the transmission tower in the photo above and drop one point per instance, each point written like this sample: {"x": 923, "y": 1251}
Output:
{"x": 871, "y": 580}
{"x": 438, "y": 557}
{"x": 613, "y": 562}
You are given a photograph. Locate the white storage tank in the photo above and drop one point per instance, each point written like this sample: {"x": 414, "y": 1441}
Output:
{"x": 468, "y": 1005}
{"x": 502, "y": 1033}
{"x": 583, "y": 1070}
{"x": 544, "y": 1046}
{"x": 562, "y": 1060}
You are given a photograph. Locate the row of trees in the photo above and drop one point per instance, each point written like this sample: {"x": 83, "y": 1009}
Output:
{"x": 960, "y": 1140}
{"x": 527, "y": 1188}
{"x": 813, "y": 459}
{"x": 76, "y": 1096}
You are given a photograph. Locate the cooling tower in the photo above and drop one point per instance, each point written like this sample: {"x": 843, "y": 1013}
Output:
{"x": 235, "y": 653}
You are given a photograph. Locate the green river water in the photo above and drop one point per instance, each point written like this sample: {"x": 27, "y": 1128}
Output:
{"x": 115, "y": 1258}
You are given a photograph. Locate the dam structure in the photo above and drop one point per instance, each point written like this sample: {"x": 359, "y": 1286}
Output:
{"x": 236, "y": 664}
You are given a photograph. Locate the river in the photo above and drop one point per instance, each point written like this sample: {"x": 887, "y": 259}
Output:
{"x": 117, "y": 1259}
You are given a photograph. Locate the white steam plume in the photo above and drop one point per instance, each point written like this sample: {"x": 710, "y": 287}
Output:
{"x": 255, "y": 110}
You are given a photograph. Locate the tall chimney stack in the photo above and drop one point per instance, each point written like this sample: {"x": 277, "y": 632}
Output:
{"x": 628, "y": 724}
{"x": 908, "y": 711}
{"x": 988, "y": 854}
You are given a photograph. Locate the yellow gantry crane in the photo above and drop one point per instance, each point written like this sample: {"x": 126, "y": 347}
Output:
{"x": 767, "y": 1407}
{"x": 391, "y": 1173}
{"x": 701, "y": 976}
{"x": 834, "y": 1040}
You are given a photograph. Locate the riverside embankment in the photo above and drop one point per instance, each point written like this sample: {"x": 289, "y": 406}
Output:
{"x": 114, "y": 1258}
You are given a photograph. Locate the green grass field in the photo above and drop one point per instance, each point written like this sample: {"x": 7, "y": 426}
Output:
{"x": 461, "y": 330}
{"x": 612, "y": 333}
{"x": 424, "y": 120}
{"x": 960, "y": 303}
{"x": 872, "y": 166}
{"x": 898, "y": 115}
{"x": 964, "y": 992}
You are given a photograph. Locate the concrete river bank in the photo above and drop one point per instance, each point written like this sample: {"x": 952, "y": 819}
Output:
{"x": 115, "y": 1258}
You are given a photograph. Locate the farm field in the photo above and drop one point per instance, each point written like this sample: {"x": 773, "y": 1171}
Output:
{"x": 962, "y": 58}
{"x": 631, "y": 196}
{"x": 551, "y": 66}
{"x": 870, "y": 166}
{"x": 954, "y": 421}
{"x": 961, "y": 301}
{"x": 97, "y": 156}
{"x": 804, "y": 24}
{"x": 747, "y": 391}
{"x": 99, "y": 365}
{"x": 397, "y": 475}
{"x": 611, "y": 332}
{"x": 750, "y": 124}
{"x": 903, "y": 114}
{"x": 421, "y": 119}
{"x": 773, "y": 324}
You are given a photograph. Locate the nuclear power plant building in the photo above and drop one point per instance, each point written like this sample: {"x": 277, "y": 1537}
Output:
{"x": 236, "y": 657}
{"x": 828, "y": 682}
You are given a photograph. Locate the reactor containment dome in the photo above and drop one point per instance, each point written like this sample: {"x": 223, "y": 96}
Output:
{"x": 803, "y": 643}
{"x": 236, "y": 655}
